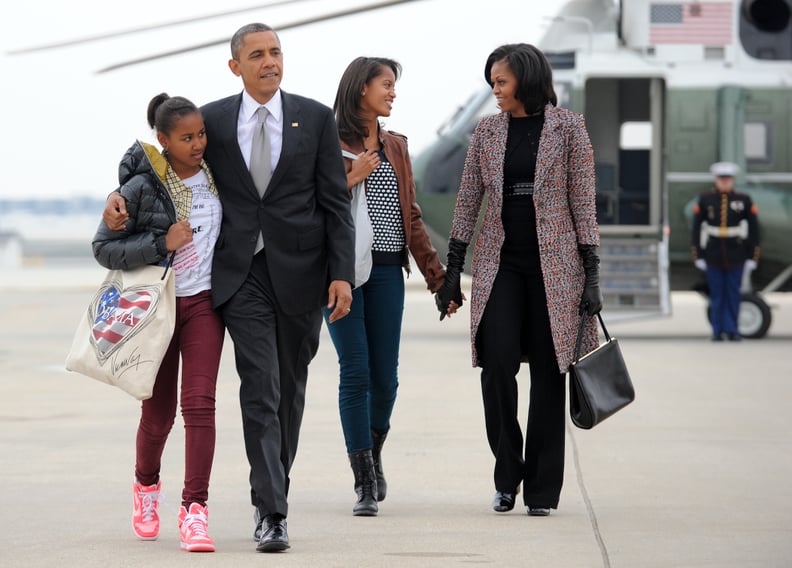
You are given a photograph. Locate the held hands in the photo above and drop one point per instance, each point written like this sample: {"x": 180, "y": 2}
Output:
{"x": 115, "y": 214}
{"x": 449, "y": 297}
{"x": 700, "y": 263}
{"x": 452, "y": 305}
{"x": 179, "y": 234}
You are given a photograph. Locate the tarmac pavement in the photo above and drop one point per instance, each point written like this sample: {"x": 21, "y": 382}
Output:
{"x": 695, "y": 473}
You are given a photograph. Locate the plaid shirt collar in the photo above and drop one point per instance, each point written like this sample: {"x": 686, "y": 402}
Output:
{"x": 181, "y": 196}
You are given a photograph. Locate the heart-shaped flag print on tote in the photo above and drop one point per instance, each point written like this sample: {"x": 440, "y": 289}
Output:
{"x": 118, "y": 314}
{"x": 124, "y": 333}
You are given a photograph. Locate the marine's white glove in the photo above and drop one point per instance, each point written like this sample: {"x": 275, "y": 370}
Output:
{"x": 700, "y": 263}
{"x": 750, "y": 265}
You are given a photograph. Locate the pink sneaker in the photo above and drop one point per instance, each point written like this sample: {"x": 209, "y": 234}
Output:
{"x": 192, "y": 528}
{"x": 145, "y": 518}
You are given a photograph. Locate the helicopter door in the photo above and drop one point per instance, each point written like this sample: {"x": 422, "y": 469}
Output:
{"x": 625, "y": 122}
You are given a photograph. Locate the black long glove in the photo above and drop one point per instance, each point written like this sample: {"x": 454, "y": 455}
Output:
{"x": 591, "y": 302}
{"x": 451, "y": 290}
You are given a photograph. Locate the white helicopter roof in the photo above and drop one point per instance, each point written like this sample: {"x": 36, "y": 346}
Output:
{"x": 690, "y": 58}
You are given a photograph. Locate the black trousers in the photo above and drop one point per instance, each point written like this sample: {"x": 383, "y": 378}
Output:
{"x": 516, "y": 321}
{"x": 272, "y": 352}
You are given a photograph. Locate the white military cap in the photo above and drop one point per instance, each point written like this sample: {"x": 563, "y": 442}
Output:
{"x": 724, "y": 169}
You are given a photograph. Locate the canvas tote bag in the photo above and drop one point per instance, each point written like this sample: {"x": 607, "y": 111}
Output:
{"x": 124, "y": 333}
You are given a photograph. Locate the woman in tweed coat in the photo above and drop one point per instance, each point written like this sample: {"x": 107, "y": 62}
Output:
{"x": 535, "y": 268}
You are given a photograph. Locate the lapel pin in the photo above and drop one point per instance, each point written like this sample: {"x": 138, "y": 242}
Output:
{"x": 295, "y": 124}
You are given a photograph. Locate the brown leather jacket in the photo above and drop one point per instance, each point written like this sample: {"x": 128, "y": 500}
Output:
{"x": 394, "y": 145}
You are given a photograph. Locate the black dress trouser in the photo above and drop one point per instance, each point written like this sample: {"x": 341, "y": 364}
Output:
{"x": 272, "y": 352}
{"x": 516, "y": 321}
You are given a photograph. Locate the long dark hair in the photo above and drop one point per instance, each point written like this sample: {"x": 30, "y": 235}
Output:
{"x": 358, "y": 74}
{"x": 533, "y": 72}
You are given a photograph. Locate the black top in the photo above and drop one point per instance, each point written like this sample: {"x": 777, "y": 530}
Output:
{"x": 382, "y": 194}
{"x": 519, "y": 215}
{"x": 522, "y": 145}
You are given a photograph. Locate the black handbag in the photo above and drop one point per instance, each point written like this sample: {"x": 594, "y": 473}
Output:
{"x": 599, "y": 383}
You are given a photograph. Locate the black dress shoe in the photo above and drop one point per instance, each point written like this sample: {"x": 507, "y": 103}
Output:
{"x": 734, "y": 337}
{"x": 274, "y": 538}
{"x": 538, "y": 511}
{"x": 259, "y": 520}
{"x": 503, "y": 502}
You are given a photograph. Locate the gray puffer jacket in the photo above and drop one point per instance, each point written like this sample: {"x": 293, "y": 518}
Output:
{"x": 141, "y": 174}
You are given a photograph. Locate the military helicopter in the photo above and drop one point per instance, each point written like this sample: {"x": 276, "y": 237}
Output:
{"x": 667, "y": 88}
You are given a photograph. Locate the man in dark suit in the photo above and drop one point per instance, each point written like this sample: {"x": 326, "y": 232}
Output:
{"x": 286, "y": 247}
{"x": 271, "y": 300}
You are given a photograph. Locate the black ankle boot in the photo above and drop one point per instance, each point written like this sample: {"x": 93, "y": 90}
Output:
{"x": 376, "y": 453}
{"x": 365, "y": 484}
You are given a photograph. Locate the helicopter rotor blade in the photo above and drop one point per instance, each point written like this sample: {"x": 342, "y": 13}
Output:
{"x": 281, "y": 27}
{"x": 131, "y": 31}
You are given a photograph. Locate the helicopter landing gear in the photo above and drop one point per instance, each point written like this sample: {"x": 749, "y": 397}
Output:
{"x": 754, "y": 318}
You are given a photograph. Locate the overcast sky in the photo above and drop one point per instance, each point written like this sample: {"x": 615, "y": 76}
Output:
{"x": 65, "y": 127}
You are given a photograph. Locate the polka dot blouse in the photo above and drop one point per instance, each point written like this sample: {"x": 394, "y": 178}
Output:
{"x": 382, "y": 194}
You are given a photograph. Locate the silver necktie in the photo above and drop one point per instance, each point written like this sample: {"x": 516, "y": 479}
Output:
{"x": 260, "y": 158}
{"x": 261, "y": 162}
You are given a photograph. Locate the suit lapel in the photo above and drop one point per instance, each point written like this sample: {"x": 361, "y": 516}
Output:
{"x": 229, "y": 139}
{"x": 290, "y": 137}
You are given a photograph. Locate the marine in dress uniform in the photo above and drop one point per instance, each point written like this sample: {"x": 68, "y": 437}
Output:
{"x": 725, "y": 240}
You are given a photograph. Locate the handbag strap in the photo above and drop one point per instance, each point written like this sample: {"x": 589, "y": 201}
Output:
{"x": 580, "y": 334}
{"x": 168, "y": 265}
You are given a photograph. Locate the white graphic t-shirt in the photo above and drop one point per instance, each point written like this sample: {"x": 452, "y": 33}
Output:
{"x": 193, "y": 262}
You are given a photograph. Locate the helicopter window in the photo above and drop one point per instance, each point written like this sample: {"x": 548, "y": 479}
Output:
{"x": 756, "y": 139}
{"x": 714, "y": 52}
{"x": 636, "y": 135}
{"x": 635, "y": 145}
{"x": 465, "y": 118}
{"x": 766, "y": 29}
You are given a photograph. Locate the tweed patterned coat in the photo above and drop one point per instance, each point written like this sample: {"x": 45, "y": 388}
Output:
{"x": 564, "y": 198}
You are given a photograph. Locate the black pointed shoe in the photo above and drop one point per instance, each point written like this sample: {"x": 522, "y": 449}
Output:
{"x": 503, "y": 502}
{"x": 259, "y": 520}
{"x": 274, "y": 538}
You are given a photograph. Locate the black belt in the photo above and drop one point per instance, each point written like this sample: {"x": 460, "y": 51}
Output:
{"x": 520, "y": 188}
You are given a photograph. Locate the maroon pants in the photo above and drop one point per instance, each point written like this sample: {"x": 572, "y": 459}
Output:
{"x": 198, "y": 338}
